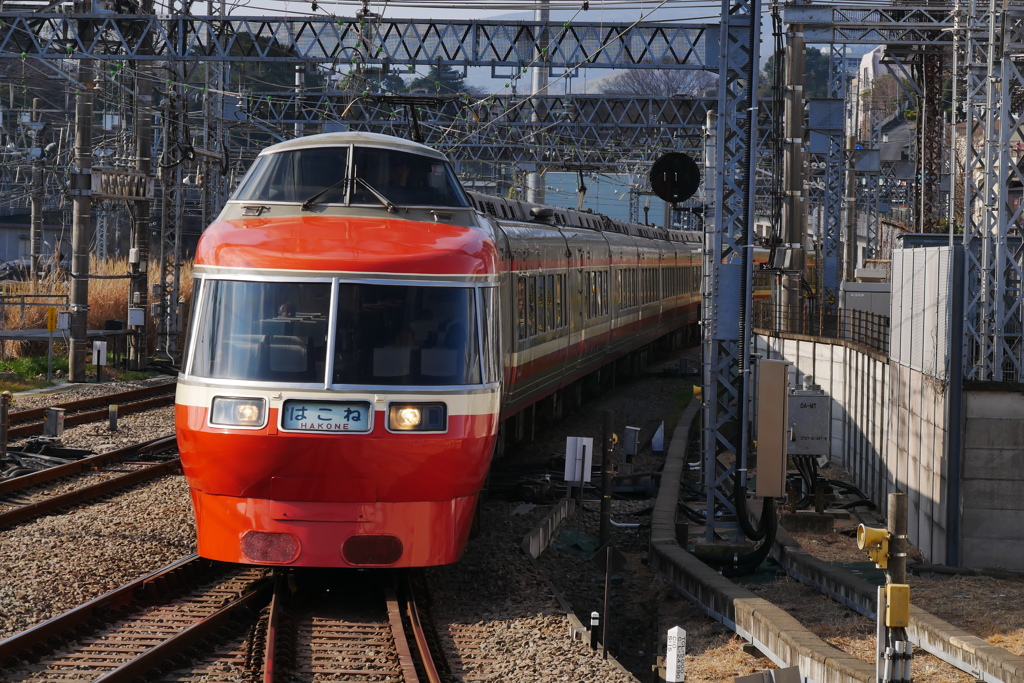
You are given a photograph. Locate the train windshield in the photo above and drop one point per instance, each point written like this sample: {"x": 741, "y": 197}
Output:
{"x": 385, "y": 334}
{"x": 262, "y": 331}
{"x": 406, "y": 335}
{"x": 296, "y": 175}
{"x": 404, "y": 178}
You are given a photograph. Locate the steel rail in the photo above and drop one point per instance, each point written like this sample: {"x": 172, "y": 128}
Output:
{"x": 403, "y": 622}
{"x": 140, "y": 667}
{"x": 128, "y": 610}
{"x": 278, "y": 604}
{"x": 44, "y": 507}
{"x": 138, "y": 400}
{"x": 22, "y": 645}
{"x": 420, "y": 636}
{"x": 94, "y": 401}
{"x": 89, "y": 463}
{"x": 405, "y": 658}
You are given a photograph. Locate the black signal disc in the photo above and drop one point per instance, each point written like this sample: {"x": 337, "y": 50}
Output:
{"x": 675, "y": 177}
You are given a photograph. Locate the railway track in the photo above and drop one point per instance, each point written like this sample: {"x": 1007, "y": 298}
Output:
{"x": 26, "y": 423}
{"x": 299, "y": 625}
{"x": 141, "y": 628}
{"x": 40, "y": 493}
{"x": 358, "y": 629}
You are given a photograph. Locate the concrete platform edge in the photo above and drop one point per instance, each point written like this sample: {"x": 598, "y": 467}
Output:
{"x": 772, "y": 630}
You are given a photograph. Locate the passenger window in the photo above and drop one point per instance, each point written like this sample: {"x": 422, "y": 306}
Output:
{"x": 406, "y": 335}
{"x": 559, "y": 321}
{"x": 521, "y": 307}
{"x": 262, "y": 331}
{"x": 549, "y": 303}
{"x": 542, "y": 317}
{"x": 531, "y": 311}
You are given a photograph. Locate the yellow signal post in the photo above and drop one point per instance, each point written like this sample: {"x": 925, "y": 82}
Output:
{"x": 894, "y": 652}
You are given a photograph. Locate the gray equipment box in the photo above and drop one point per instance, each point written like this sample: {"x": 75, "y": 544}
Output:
{"x": 809, "y": 421}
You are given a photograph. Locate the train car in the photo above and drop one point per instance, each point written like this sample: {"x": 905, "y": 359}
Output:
{"x": 361, "y": 329}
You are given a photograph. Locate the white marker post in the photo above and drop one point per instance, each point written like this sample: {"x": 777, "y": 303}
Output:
{"x": 51, "y": 326}
{"x": 99, "y": 357}
{"x": 579, "y": 456}
{"x": 675, "y": 656}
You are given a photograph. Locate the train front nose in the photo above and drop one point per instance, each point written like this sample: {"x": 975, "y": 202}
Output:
{"x": 324, "y": 534}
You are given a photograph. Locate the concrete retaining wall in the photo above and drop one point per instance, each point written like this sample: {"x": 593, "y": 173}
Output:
{"x": 771, "y": 629}
{"x": 888, "y": 429}
{"x": 916, "y": 458}
{"x": 891, "y": 429}
{"x": 992, "y": 522}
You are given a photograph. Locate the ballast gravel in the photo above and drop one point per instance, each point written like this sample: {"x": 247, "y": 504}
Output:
{"x": 60, "y": 561}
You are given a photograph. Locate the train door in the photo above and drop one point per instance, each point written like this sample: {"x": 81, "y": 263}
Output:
{"x": 580, "y": 258}
{"x": 506, "y": 304}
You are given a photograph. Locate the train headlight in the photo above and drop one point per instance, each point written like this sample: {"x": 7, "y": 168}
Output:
{"x": 238, "y": 412}
{"x": 417, "y": 417}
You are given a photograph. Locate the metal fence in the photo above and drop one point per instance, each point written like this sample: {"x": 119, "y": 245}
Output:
{"x": 860, "y": 327}
{"x": 22, "y": 302}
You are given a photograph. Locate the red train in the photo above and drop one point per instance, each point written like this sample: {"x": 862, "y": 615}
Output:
{"x": 362, "y": 327}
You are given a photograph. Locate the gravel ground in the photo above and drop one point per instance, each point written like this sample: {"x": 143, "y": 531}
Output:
{"x": 57, "y": 562}
{"x": 60, "y": 561}
{"x": 642, "y": 606}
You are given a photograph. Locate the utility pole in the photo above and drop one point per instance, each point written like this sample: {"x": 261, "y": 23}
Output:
{"x": 81, "y": 230}
{"x": 888, "y": 548}
{"x": 38, "y": 190}
{"x": 171, "y": 216}
{"x": 794, "y": 215}
{"x": 535, "y": 190}
{"x": 850, "y": 248}
{"x": 138, "y": 286}
{"x": 300, "y": 91}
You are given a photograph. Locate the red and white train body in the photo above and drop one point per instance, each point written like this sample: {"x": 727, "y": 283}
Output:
{"x": 362, "y": 326}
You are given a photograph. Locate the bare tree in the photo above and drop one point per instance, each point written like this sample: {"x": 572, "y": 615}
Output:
{"x": 659, "y": 83}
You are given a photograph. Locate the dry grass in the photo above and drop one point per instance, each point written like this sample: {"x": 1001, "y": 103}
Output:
{"x": 846, "y": 630}
{"x": 713, "y": 653}
{"x": 108, "y": 300}
{"x": 984, "y": 606}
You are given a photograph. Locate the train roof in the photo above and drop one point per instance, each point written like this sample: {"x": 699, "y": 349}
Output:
{"x": 354, "y": 138}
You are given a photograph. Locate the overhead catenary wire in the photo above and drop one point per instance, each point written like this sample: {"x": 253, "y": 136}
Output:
{"x": 121, "y": 86}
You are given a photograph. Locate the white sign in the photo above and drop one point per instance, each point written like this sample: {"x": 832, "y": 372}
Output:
{"x": 99, "y": 353}
{"x": 675, "y": 656}
{"x": 658, "y": 442}
{"x": 579, "y": 454}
